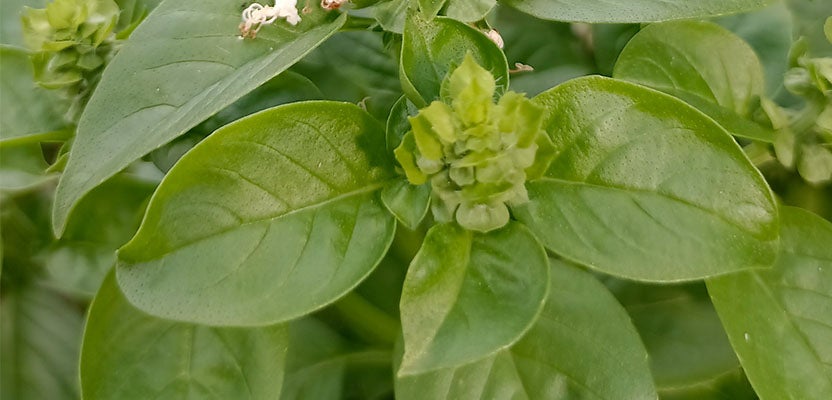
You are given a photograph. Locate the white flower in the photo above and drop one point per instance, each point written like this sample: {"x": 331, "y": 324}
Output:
{"x": 287, "y": 9}
{"x": 257, "y": 15}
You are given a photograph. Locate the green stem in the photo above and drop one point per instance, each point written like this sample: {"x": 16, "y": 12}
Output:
{"x": 367, "y": 320}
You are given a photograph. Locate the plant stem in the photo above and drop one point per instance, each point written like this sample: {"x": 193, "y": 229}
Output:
{"x": 367, "y": 320}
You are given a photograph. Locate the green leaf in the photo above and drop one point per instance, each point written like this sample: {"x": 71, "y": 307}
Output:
{"x": 645, "y": 187}
{"x": 407, "y": 202}
{"x": 184, "y": 63}
{"x": 231, "y": 236}
{"x": 690, "y": 355}
{"x": 769, "y": 33}
{"x": 632, "y": 10}
{"x": 128, "y": 354}
{"x": 703, "y": 64}
{"x": 468, "y": 295}
{"x": 430, "y": 8}
{"x": 30, "y": 113}
{"x": 397, "y": 122}
{"x": 583, "y": 346}
{"x": 40, "y": 337}
{"x": 392, "y": 14}
{"x": 102, "y": 222}
{"x": 469, "y": 10}
{"x": 133, "y": 11}
{"x": 431, "y": 49}
{"x": 779, "y": 320}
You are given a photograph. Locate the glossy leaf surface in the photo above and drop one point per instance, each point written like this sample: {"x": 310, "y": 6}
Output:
{"x": 469, "y": 10}
{"x": 430, "y": 49}
{"x": 407, "y": 202}
{"x": 632, "y": 10}
{"x": 127, "y": 354}
{"x": 583, "y": 346}
{"x": 467, "y": 296}
{"x": 704, "y": 64}
{"x": 184, "y": 63}
{"x": 645, "y": 187}
{"x": 232, "y": 235}
{"x": 780, "y": 320}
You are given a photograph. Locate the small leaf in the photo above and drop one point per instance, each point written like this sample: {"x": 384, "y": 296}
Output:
{"x": 779, "y": 320}
{"x": 702, "y": 64}
{"x": 127, "y": 354}
{"x": 30, "y": 113}
{"x": 230, "y": 235}
{"x": 22, "y": 167}
{"x": 583, "y": 346}
{"x": 40, "y": 338}
{"x": 632, "y": 10}
{"x": 184, "y": 63}
{"x": 430, "y": 49}
{"x": 407, "y": 202}
{"x": 391, "y": 15}
{"x": 467, "y": 296}
{"x": 469, "y": 10}
{"x": 645, "y": 187}
{"x": 430, "y": 8}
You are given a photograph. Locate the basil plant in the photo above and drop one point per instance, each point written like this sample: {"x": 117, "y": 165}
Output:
{"x": 416, "y": 199}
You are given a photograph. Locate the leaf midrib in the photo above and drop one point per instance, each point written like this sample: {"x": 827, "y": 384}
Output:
{"x": 269, "y": 219}
{"x": 758, "y": 235}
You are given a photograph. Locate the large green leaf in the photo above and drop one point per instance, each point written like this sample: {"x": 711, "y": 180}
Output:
{"x": 268, "y": 219}
{"x": 632, "y": 10}
{"x": 467, "y": 295}
{"x": 430, "y": 49}
{"x": 704, "y": 64}
{"x": 780, "y": 320}
{"x": 128, "y": 354}
{"x": 29, "y": 113}
{"x": 40, "y": 338}
{"x": 184, "y": 63}
{"x": 645, "y": 187}
{"x": 583, "y": 346}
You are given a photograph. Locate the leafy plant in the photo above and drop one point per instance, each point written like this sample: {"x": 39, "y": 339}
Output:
{"x": 392, "y": 199}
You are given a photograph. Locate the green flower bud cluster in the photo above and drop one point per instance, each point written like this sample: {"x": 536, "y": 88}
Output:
{"x": 476, "y": 155}
{"x": 804, "y": 137}
{"x": 71, "y": 42}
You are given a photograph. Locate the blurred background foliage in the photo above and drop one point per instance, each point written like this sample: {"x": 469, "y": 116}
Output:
{"x": 47, "y": 284}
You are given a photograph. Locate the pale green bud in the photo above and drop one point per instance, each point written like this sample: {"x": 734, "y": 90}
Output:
{"x": 476, "y": 155}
